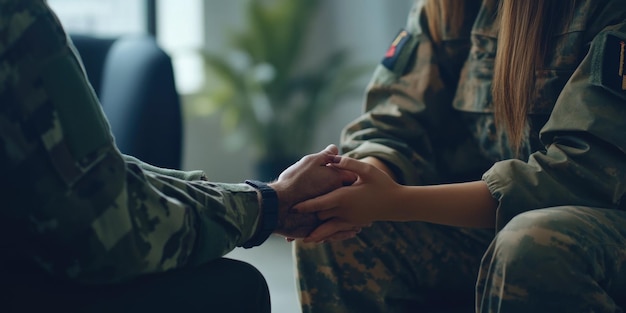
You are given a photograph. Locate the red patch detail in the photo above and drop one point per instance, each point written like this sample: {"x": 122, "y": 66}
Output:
{"x": 391, "y": 52}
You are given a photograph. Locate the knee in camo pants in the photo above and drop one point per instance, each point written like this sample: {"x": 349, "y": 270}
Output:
{"x": 562, "y": 259}
{"x": 392, "y": 267}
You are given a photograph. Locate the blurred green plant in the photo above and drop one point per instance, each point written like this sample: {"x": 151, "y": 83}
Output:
{"x": 264, "y": 97}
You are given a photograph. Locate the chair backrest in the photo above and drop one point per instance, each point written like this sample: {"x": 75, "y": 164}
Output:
{"x": 134, "y": 81}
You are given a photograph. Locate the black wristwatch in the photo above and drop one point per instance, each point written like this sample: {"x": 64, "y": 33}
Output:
{"x": 269, "y": 217}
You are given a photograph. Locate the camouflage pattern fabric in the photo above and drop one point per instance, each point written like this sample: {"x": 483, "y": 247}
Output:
{"x": 392, "y": 267}
{"x": 430, "y": 119}
{"x": 560, "y": 259}
{"x": 71, "y": 203}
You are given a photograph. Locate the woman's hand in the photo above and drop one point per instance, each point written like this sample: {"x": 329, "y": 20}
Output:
{"x": 365, "y": 201}
{"x": 334, "y": 229}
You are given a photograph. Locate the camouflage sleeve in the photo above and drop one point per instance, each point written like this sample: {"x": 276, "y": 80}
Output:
{"x": 70, "y": 202}
{"x": 586, "y": 148}
{"x": 184, "y": 175}
{"x": 409, "y": 122}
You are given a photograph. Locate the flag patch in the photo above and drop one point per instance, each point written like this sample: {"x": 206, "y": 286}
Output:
{"x": 396, "y": 49}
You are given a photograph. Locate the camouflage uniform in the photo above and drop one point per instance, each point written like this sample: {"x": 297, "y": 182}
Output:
{"x": 560, "y": 243}
{"x": 71, "y": 203}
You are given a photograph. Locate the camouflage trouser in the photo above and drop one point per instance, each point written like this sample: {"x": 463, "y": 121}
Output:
{"x": 392, "y": 267}
{"x": 562, "y": 259}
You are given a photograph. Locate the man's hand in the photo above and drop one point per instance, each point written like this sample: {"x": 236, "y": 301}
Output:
{"x": 308, "y": 178}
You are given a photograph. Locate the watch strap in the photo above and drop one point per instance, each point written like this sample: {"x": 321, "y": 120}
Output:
{"x": 269, "y": 213}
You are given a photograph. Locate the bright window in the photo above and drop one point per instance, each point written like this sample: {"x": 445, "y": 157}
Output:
{"x": 179, "y": 26}
{"x": 102, "y": 17}
{"x": 180, "y": 31}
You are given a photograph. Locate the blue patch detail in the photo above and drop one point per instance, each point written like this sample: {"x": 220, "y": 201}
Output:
{"x": 395, "y": 49}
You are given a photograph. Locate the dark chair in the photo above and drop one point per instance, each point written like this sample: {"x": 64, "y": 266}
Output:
{"x": 133, "y": 78}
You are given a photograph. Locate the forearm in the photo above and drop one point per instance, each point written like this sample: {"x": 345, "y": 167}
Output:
{"x": 463, "y": 204}
{"x": 226, "y": 213}
{"x": 137, "y": 223}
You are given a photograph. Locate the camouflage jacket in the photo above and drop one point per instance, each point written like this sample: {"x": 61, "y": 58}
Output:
{"x": 71, "y": 203}
{"x": 429, "y": 114}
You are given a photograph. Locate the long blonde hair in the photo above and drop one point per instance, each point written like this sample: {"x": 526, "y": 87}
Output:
{"x": 522, "y": 45}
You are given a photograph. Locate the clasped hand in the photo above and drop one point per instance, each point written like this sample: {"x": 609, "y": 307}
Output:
{"x": 310, "y": 177}
{"x": 326, "y": 197}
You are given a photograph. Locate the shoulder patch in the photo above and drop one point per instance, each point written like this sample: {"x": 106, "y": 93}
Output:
{"x": 614, "y": 64}
{"x": 399, "y": 51}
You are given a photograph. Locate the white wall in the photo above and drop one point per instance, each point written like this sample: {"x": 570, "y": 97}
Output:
{"x": 366, "y": 27}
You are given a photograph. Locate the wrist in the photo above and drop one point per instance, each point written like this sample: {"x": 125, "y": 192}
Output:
{"x": 268, "y": 213}
{"x": 397, "y": 209}
{"x": 284, "y": 198}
